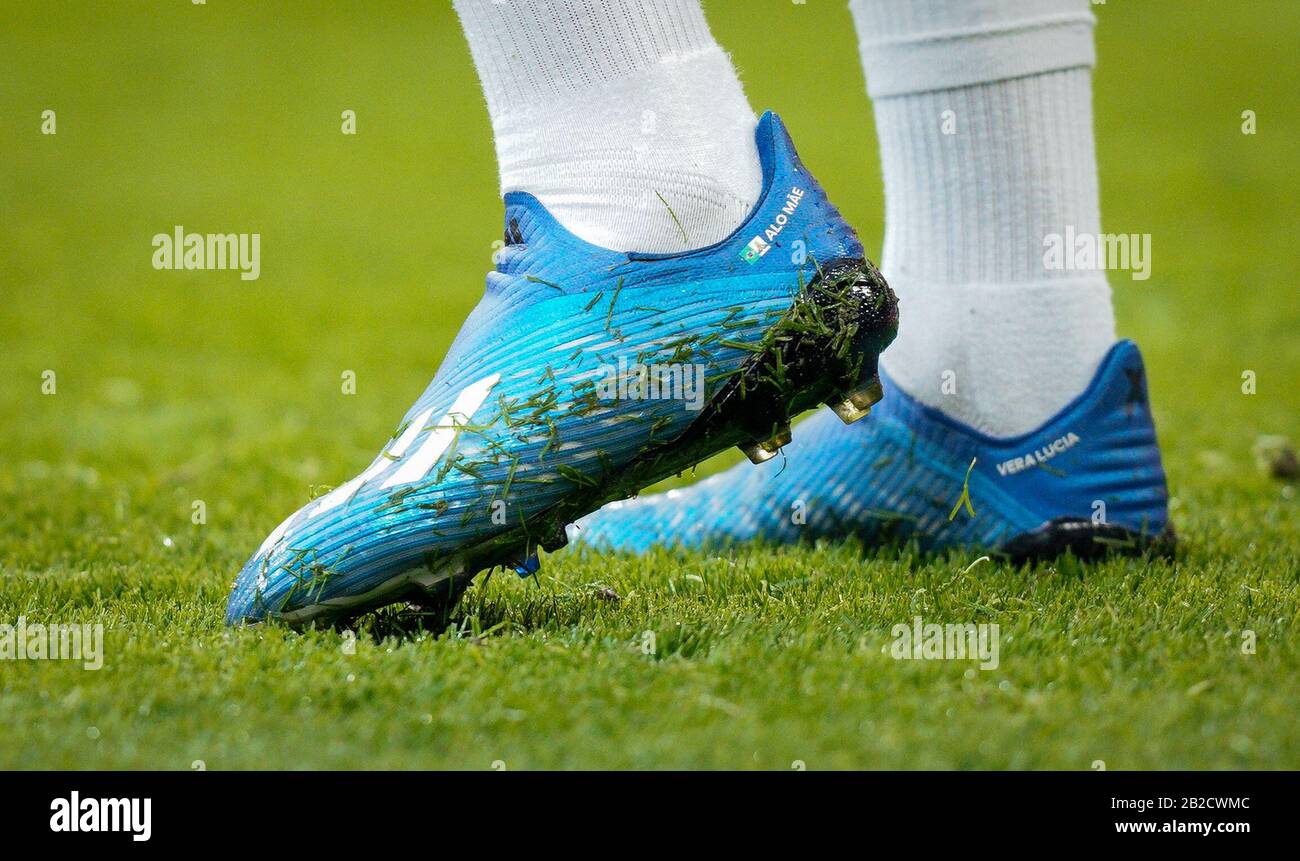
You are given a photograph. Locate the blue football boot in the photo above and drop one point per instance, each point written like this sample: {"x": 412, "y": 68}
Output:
{"x": 1089, "y": 480}
{"x": 583, "y": 376}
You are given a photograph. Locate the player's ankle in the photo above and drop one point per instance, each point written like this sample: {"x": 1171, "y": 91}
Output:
{"x": 661, "y": 160}
{"x": 1001, "y": 358}
{"x": 642, "y": 142}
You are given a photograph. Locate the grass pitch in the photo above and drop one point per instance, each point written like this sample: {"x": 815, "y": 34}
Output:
{"x": 180, "y": 387}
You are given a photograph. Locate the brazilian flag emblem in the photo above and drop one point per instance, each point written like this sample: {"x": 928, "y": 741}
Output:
{"x": 754, "y": 250}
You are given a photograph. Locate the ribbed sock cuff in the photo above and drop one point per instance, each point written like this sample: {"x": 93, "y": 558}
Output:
{"x": 977, "y": 204}
{"x": 913, "y": 46}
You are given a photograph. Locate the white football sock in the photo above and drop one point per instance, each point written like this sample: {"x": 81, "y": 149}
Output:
{"x": 984, "y": 114}
{"x": 623, "y": 117}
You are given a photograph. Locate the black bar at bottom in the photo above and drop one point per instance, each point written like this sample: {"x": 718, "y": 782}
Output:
{"x": 488, "y": 810}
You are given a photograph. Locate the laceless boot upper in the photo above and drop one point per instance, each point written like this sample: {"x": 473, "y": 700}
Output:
{"x": 1090, "y": 480}
{"x": 525, "y": 428}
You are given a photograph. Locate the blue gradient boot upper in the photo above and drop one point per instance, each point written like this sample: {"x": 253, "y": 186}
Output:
{"x": 1092, "y": 474}
{"x": 523, "y": 413}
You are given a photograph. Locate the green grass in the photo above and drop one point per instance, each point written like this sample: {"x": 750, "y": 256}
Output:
{"x": 175, "y": 387}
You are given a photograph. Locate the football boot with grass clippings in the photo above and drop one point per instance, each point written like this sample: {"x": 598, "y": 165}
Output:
{"x": 583, "y": 376}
